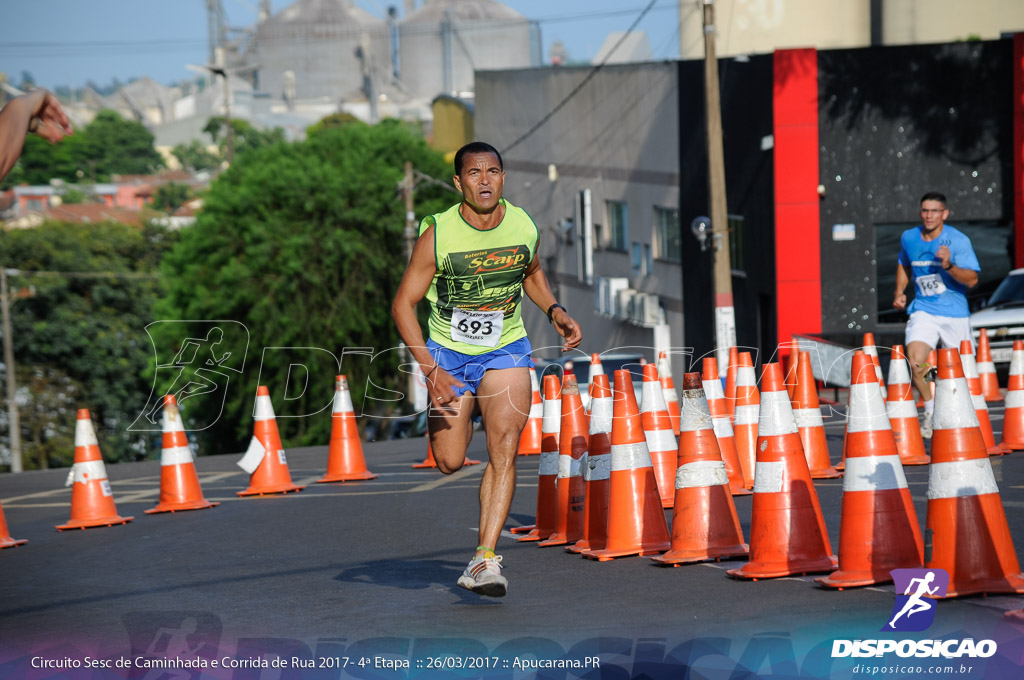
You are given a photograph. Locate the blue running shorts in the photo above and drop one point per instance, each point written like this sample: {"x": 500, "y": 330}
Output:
{"x": 470, "y": 368}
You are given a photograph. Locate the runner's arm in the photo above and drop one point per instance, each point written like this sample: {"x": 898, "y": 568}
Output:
{"x": 415, "y": 283}
{"x": 537, "y": 288}
{"x": 899, "y": 300}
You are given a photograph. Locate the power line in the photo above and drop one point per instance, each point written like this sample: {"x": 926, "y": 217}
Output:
{"x": 593, "y": 72}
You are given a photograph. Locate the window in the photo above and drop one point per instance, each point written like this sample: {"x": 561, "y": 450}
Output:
{"x": 618, "y": 224}
{"x": 638, "y": 262}
{"x": 666, "y": 226}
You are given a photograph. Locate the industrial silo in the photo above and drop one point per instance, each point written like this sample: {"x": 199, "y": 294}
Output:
{"x": 444, "y": 41}
{"x": 319, "y": 49}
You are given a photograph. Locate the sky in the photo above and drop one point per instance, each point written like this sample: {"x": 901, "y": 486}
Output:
{"x": 70, "y": 42}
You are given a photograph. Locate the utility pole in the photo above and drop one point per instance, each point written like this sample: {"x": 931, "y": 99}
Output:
{"x": 13, "y": 420}
{"x": 220, "y": 68}
{"x": 725, "y": 313}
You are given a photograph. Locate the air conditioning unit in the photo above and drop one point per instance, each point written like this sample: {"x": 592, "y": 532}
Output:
{"x": 607, "y": 290}
{"x": 646, "y": 310}
{"x": 623, "y": 303}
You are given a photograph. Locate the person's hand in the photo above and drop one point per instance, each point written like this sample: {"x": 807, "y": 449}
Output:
{"x": 441, "y": 388}
{"x": 943, "y": 254}
{"x": 49, "y": 120}
{"x": 567, "y": 328}
{"x": 900, "y": 301}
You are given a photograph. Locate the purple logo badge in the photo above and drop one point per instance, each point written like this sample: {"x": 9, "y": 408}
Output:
{"x": 913, "y": 610}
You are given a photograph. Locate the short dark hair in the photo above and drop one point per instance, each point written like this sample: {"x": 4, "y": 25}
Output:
{"x": 475, "y": 147}
{"x": 934, "y": 196}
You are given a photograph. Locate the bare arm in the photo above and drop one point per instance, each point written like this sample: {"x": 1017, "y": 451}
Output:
{"x": 899, "y": 300}
{"x": 39, "y": 108}
{"x": 415, "y": 283}
{"x": 537, "y": 288}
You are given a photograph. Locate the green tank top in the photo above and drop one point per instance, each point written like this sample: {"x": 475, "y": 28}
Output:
{"x": 476, "y": 294}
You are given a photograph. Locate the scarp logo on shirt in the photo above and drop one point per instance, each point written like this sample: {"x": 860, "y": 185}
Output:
{"x": 912, "y": 611}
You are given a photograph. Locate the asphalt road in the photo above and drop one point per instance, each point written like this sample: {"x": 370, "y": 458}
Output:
{"x": 339, "y": 573}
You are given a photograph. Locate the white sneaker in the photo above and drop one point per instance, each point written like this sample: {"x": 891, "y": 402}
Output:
{"x": 926, "y": 425}
{"x": 483, "y": 576}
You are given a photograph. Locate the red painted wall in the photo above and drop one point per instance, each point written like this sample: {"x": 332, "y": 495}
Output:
{"x": 797, "y": 217}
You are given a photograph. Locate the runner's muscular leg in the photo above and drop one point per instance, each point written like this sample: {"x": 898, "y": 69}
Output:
{"x": 917, "y": 353}
{"x": 504, "y": 398}
{"x": 451, "y": 430}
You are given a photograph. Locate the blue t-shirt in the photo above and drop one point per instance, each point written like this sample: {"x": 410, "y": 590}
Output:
{"x": 935, "y": 291}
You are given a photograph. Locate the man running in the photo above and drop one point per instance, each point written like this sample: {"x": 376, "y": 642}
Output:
{"x": 473, "y": 262}
{"x": 943, "y": 265}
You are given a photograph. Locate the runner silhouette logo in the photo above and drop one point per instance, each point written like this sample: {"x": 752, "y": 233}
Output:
{"x": 913, "y": 609}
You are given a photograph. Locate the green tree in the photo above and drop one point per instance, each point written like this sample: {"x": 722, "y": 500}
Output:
{"x": 247, "y": 137}
{"x": 107, "y": 145}
{"x": 332, "y": 121}
{"x": 73, "y": 195}
{"x": 302, "y": 243}
{"x": 81, "y": 342}
{"x": 194, "y": 156}
{"x": 171, "y": 196}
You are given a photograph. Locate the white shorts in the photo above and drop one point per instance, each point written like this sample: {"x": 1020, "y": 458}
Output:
{"x": 930, "y": 329}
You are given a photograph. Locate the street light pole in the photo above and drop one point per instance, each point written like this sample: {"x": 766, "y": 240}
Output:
{"x": 725, "y": 313}
{"x": 13, "y": 420}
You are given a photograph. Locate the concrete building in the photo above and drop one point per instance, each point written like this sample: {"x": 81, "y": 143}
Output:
{"x": 761, "y": 27}
{"x": 827, "y": 154}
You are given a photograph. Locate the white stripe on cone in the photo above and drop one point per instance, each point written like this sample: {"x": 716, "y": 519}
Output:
{"x": 85, "y": 435}
{"x": 176, "y": 455}
{"x": 723, "y": 427}
{"x": 871, "y": 415}
{"x": 1015, "y": 399}
{"x": 713, "y": 389}
{"x": 808, "y": 417}
{"x": 701, "y": 473}
{"x": 745, "y": 376}
{"x": 569, "y": 467}
{"x": 776, "y": 415}
{"x": 552, "y": 419}
{"x": 264, "y": 408}
{"x": 960, "y": 479}
{"x": 748, "y": 414}
{"x": 601, "y": 415}
{"x": 652, "y": 398}
{"x": 900, "y": 408}
{"x": 958, "y": 410}
{"x": 630, "y": 457}
{"x": 873, "y": 473}
{"x": 661, "y": 440}
{"x": 899, "y": 374}
{"x": 342, "y": 397}
{"x": 598, "y": 468}
{"x": 768, "y": 476}
{"x": 88, "y": 471}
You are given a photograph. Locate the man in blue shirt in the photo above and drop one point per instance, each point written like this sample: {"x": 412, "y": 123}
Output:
{"x": 940, "y": 260}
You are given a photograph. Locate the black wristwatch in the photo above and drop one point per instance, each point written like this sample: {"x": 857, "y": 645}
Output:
{"x": 949, "y": 267}
{"x": 552, "y": 309}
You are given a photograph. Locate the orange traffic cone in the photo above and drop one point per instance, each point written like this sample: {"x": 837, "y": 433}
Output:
{"x": 746, "y": 416}
{"x": 596, "y": 367}
{"x": 1013, "y": 417}
{"x": 704, "y": 521}
{"x": 878, "y": 531}
{"x": 92, "y": 501}
{"x": 597, "y": 467}
{"x": 723, "y": 426}
{"x": 179, "y": 484}
{"x": 5, "y": 535}
{"x": 265, "y": 460}
{"x": 547, "y": 477}
{"x": 636, "y": 520}
{"x": 969, "y": 537}
{"x": 872, "y": 351}
{"x": 572, "y": 449}
{"x": 970, "y": 370}
{"x": 902, "y": 412}
{"x": 987, "y": 369}
{"x": 661, "y": 443}
{"x": 668, "y": 388}
{"x": 807, "y": 413}
{"x": 345, "y": 459}
{"x": 529, "y": 441}
{"x": 730, "y": 381}
{"x": 787, "y": 529}
{"x": 792, "y": 366}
